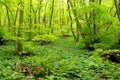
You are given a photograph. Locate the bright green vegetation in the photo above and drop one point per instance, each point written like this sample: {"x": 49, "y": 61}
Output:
{"x": 59, "y": 39}
{"x": 61, "y": 60}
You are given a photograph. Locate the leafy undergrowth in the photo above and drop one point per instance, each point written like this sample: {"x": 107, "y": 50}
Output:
{"x": 62, "y": 60}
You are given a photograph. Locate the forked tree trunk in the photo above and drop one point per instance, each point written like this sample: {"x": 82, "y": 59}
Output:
{"x": 78, "y": 24}
{"x": 117, "y": 5}
{"x": 71, "y": 27}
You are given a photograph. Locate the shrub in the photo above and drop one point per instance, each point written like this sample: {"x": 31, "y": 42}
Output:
{"x": 44, "y": 39}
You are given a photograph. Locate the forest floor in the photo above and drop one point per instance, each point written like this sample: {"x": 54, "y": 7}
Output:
{"x": 62, "y": 60}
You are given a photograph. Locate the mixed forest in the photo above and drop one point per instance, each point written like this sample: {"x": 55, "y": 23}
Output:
{"x": 59, "y": 39}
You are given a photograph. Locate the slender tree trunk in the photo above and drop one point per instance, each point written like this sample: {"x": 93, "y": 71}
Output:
{"x": 44, "y": 18}
{"x": 19, "y": 44}
{"x": 71, "y": 20}
{"x": 93, "y": 14}
{"x": 51, "y": 16}
{"x": 0, "y": 20}
{"x": 30, "y": 19}
{"x": 60, "y": 16}
{"x": 94, "y": 22}
{"x": 0, "y": 17}
{"x": 78, "y": 24}
{"x": 39, "y": 11}
{"x": 14, "y": 23}
{"x": 39, "y": 16}
{"x": 100, "y": 1}
{"x": 117, "y": 5}
{"x": 9, "y": 22}
{"x": 35, "y": 19}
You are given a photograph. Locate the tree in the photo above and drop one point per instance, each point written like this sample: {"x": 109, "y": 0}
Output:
{"x": 51, "y": 16}
{"x": 78, "y": 24}
{"x": 117, "y": 5}
{"x": 44, "y": 18}
{"x": 21, "y": 16}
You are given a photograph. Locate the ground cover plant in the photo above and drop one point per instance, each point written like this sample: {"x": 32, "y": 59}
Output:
{"x": 57, "y": 61}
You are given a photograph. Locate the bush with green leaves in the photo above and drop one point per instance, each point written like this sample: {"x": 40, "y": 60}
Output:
{"x": 44, "y": 39}
{"x": 99, "y": 28}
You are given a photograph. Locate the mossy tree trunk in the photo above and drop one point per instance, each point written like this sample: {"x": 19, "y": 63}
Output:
{"x": 78, "y": 24}
{"x": 45, "y": 16}
{"x": 71, "y": 22}
{"x": 19, "y": 43}
{"x": 51, "y": 16}
{"x": 117, "y": 5}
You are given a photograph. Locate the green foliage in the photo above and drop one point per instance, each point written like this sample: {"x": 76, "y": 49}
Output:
{"x": 7, "y": 60}
{"x": 99, "y": 27}
{"x": 59, "y": 61}
{"x": 28, "y": 48}
{"x": 111, "y": 51}
{"x": 44, "y": 39}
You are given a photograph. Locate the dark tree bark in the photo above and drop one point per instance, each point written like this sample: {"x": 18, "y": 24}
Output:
{"x": 117, "y": 5}
{"x": 0, "y": 20}
{"x": 78, "y": 24}
{"x": 71, "y": 27}
{"x": 35, "y": 18}
{"x": 19, "y": 43}
{"x": 44, "y": 18}
{"x": 14, "y": 23}
{"x": 30, "y": 19}
{"x": 51, "y": 16}
{"x": 60, "y": 17}
{"x": 39, "y": 11}
{"x": 9, "y": 21}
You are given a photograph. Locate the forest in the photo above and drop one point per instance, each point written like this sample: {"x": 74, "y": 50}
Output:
{"x": 59, "y": 39}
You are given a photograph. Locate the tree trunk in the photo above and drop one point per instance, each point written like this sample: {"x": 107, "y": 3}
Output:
{"x": 19, "y": 44}
{"x": 71, "y": 20}
{"x": 51, "y": 16}
{"x": 0, "y": 20}
{"x": 30, "y": 21}
{"x": 39, "y": 11}
{"x": 9, "y": 22}
{"x": 35, "y": 19}
{"x": 78, "y": 24}
{"x": 14, "y": 23}
{"x": 44, "y": 18}
{"x": 60, "y": 17}
{"x": 117, "y": 5}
